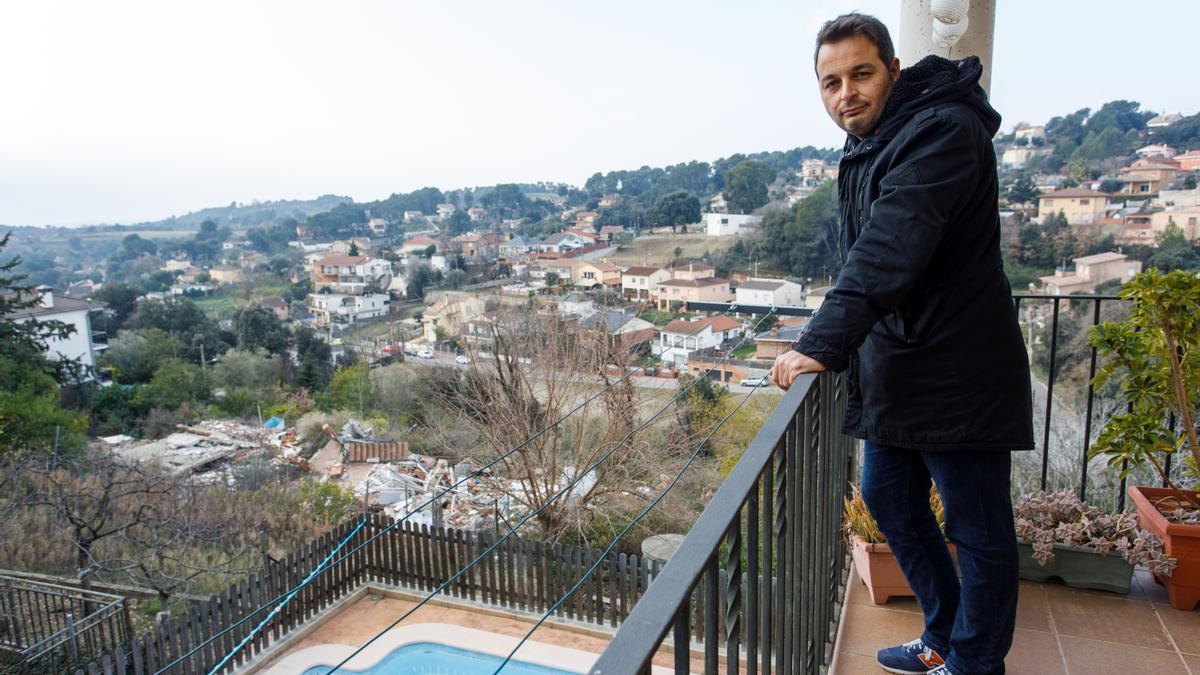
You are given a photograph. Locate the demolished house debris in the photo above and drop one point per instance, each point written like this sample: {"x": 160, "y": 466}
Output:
{"x": 209, "y": 450}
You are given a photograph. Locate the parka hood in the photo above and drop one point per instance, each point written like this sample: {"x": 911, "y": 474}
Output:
{"x": 929, "y": 82}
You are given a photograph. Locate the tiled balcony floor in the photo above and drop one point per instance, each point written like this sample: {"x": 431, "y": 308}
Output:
{"x": 1059, "y": 630}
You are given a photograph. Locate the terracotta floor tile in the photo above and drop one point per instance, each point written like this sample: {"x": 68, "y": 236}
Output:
{"x": 1101, "y": 658}
{"x": 1099, "y": 616}
{"x": 1184, "y": 627}
{"x": 1035, "y": 653}
{"x": 853, "y": 664}
{"x": 1032, "y": 611}
{"x": 869, "y": 628}
{"x": 1193, "y": 663}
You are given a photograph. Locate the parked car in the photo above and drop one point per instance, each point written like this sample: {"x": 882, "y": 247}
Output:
{"x": 425, "y": 354}
{"x": 755, "y": 381}
{"x": 462, "y": 359}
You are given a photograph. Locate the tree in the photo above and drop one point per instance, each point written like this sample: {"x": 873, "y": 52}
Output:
{"x": 350, "y": 389}
{"x": 1022, "y": 190}
{"x": 746, "y": 185}
{"x": 458, "y": 222}
{"x": 134, "y": 355}
{"x": 353, "y": 248}
{"x": 120, "y": 301}
{"x": 175, "y": 383}
{"x": 257, "y": 327}
{"x": 673, "y": 210}
{"x": 22, "y": 334}
{"x": 183, "y": 320}
{"x": 552, "y": 279}
{"x": 801, "y": 240}
{"x": 1111, "y": 185}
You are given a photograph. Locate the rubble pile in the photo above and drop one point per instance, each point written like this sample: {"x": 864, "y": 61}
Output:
{"x": 210, "y": 449}
{"x": 407, "y": 485}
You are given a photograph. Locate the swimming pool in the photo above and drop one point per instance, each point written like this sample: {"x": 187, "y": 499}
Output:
{"x": 431, "y": 658}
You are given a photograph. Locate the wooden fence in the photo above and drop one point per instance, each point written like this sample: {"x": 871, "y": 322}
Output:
{"x": 520, "y": 575}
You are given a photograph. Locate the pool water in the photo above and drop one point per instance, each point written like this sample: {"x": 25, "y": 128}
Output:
{"x": 430, "y": 658}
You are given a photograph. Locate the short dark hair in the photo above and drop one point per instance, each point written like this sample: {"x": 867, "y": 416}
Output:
{"x": 848, "y": 25}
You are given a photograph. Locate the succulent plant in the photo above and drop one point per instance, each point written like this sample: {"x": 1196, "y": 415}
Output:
{"x": 1044, "y": 519}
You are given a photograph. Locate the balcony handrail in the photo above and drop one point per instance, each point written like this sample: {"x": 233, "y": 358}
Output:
{"x": 635, "y": 644}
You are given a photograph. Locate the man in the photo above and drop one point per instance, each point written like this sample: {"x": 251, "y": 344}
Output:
{"x": 922, "y": 318}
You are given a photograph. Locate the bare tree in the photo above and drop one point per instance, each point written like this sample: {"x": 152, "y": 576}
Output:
{"x": 538, "y": 369}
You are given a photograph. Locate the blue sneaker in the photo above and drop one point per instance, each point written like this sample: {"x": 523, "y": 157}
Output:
{"x": 941, "y": 670}
{"x": 911, "y": 658}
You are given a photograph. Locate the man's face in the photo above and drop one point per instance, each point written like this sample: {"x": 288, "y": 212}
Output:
{"x": 855, "y": 83}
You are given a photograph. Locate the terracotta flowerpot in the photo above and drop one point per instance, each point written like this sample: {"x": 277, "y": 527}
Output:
{"x": 1179, "y": 541}
{"x": 878, "y": 569}
{"x": 1078, "y": 568}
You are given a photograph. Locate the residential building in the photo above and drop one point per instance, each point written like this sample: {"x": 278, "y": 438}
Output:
{"x": 639, "y": 283}
{"x": 1178, "y": 198}
{"x": 1157, "y": 150}
{"x": 562, "y": 267}
{"x": 769, "y": 293}
{"x": 351, "y": 274}
{"x": 1091, "y": 271}
{"x": 446, "y": 210}
{"x": 225, "y": 275}
{"x": 473, "y": 243}
{"x": 694, "y": 271}
{"x": 518, "y": 246}
{"x": 342, "y": 309}
{"x": 675, "y": 292}
{"x": 681, "y": 337}
{"x": 378, "y": 226}
{"x": 814, "y": 172}
{"x": 1189, "y": 161}
{"x": 177, "y": 265}
{"x": 81, "y": 344}
{"x": 1030, "y": 133}
{"x": 576, "y": 304}
{"x": 449, "y": 314}
{"x": 277, "y": 305}
{"x": 609, "y": 231}
{"x": 563, "y": 242}
{"x": 771, "y": 343}
{"x": 590, "y": 273}
{"x": 413, "y": 216}
{"x": 718, "y": 204}
{"x": 1186, "y": 218}
{"x": 344, "y": 246}
{"x": 417, "y": 244}
{"x": 1163, "y": 120}
{"x": 586, "y": 219}
{"x": 721, "y": 224}
{"x": 1149, "y": 176}
{"x": 1080, "y": 206}
{"x": 615, "y": 322}
{"x": 477, "y": 214}
{"x": 1017, "y": 157}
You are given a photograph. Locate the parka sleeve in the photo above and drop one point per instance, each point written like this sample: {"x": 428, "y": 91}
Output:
{"x": 936, "y": 168}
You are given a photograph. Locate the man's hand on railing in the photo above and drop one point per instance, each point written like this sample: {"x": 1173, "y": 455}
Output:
{"x": 790, "y": 365}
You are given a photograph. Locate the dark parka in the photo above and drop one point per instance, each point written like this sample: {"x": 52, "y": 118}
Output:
{"x": 922, "y": 314}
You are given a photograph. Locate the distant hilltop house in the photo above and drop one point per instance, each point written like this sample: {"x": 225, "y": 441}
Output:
{"x": 681, "y": 337}
{"x": 590, "y": 274}
{"x": 378, "y": 226}
{"x": 518, "y": 246}
{"x": 225, "y": 275}
{"x": 413, "y": 216}
{"x": 769, "y": 293}
{"x": 639, "y": 283}
{"x": 1080, "y": 206}
{"x": 720, "y": 224}
{"x": 1029, "y": 133}
{"x": 477, "y": 214}
{"x": 81, "y": 345}
{"x": 1090, "y": 271}
{"x": 1163, "y": 120}
{"x": 1150, "y": 176}
{"x": 1157, "y": 150}
{"x": 417, "y": 244}
{"x": 1189, "y": 161}
{"x": 343, "y": 309}
{"x": 351, "y": 274}
{"x": 446, "y": 210}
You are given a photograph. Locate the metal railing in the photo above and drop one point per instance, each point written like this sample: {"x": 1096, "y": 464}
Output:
{"x": 758, "y": 579}
{"x": 1069, "y": 413}
{"x": 52, "y": 628}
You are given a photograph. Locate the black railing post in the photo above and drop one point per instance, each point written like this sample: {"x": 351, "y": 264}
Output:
{"x": 1049, "y": 394}
{"x": 1087, "y": 418}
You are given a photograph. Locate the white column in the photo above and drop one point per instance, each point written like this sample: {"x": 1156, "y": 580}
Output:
{"x": 916, "y": 35}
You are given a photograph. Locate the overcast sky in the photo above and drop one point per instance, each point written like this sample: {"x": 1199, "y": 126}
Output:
{"x": 122, "y": 111}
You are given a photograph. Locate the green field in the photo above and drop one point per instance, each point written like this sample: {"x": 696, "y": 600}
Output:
{"x": 230, "y": 299}
{"x": 659, "y": 249}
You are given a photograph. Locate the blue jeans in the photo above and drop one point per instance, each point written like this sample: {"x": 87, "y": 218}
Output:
{"x": 971, "y": 623}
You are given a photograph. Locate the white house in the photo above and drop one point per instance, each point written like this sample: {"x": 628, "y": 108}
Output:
{"x": 563, "y": 242}
{"x": 347, "y": 309}
{"x": 717, "y": 224}
{"x": 770, "y": 293}
{"x": 681, "y": 337}
{"x": 81, "y": 344}
{"x": 576, "y": 304}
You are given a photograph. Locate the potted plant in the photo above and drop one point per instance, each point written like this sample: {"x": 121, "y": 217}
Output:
{"x": 873, "y": 559}
{"x": 1063, "y": 537}
{"x": 1155, "y": 352}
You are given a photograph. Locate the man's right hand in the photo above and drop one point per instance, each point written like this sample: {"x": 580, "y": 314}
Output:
{"x": 790, "y": 365}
